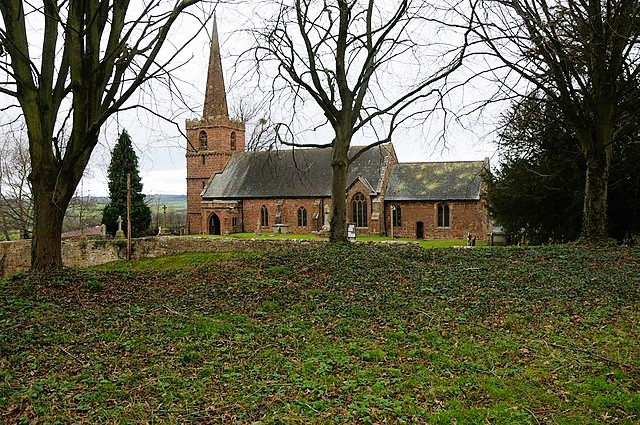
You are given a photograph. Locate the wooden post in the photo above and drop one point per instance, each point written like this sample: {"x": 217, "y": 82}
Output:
{"x": 128, "y": 216}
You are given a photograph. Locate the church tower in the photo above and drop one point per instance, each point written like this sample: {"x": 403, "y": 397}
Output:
{"x": 211, "y": 140}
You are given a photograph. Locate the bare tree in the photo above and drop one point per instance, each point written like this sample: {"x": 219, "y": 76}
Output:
{"x": 81, "y": 65}
{"x": 582, "y": 56}
{"x": 260, "y": 129}
{"x": 370, "y": 66}
{"x": 16, "y": 205}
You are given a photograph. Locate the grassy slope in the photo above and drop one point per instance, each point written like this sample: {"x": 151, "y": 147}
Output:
{"x": 358, "y": 334}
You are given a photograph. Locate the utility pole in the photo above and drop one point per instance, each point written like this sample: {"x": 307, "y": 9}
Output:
{"x": 128, "y": 216}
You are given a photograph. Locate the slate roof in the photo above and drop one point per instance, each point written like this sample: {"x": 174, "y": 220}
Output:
{"x": 434, "y": 181}
{"x": 293, "y": 173}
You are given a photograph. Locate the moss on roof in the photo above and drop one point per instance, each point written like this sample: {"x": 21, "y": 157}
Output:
{"x": 434, "y": 181}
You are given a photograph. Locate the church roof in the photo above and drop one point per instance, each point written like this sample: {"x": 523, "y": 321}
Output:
{"x": 434, "y": 181}
{"x": 293, "y": 173}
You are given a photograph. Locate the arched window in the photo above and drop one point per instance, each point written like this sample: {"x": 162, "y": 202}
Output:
{"x": 444, "y": 216}
{"x": 302, "y": 217}
{"x": 359, "y": 207}
{"x": 233, "y": 141}
{"x": 264, "y": 216}
{"x": 203, "y": 140}
{"x": 396, "y": 216}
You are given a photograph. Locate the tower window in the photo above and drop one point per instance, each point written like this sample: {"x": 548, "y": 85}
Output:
{"x": 203, "y": 140}
{"x": 359, "y": 210}
{"x": 233, "y": 141}
{"x": 302, "y": 217}
{"x": 264, "y": 216}
{"x": 444, "y": 215}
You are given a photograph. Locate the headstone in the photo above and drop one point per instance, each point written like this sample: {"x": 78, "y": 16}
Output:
{"x": 327, "y": 219}
{"x": 103, "y": 231}
{"x": 120, "y": 233}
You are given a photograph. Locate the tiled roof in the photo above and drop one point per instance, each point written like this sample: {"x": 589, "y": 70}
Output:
{"x": 432, "y": 181}
{"x": 293, "y": 173}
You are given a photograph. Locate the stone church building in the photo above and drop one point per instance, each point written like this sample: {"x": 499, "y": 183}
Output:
{"x": 230, "y": 190}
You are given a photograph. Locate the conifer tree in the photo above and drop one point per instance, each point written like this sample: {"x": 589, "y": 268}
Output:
{"x": 124, "y": 160}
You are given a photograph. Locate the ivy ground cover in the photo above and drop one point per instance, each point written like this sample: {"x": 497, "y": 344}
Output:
{"x": 346, "y": 334}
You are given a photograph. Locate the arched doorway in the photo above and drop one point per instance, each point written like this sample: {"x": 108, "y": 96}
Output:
{"x": 214, "y": 224}
{"x": 419, "y": 230}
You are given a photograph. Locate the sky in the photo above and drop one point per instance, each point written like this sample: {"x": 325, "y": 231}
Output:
{"x": 161, "y": 146}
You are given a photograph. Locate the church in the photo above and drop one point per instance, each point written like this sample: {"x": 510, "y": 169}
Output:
{"x": 276, "y": 191}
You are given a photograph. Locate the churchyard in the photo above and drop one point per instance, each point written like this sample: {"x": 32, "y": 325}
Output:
{"x": 366, "y": 333}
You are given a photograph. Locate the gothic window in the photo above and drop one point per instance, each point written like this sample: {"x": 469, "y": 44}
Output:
{"x": 203, "y": 140}
{"x": 233, "y": 140}
{"x": 264, "y": 216}
{"x": 444, "y": 215}
{"x": 234, "y": 221}
{"x": 359, "y": 209}
{"x": 302, "y": 217}
{"x": 396, "y": 216}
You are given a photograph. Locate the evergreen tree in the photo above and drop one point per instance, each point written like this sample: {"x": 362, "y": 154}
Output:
{"x": 124, "y": 160}
{"x": 537, "y": 192}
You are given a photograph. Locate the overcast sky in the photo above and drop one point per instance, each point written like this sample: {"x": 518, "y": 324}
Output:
{"x": 161, "y": 147}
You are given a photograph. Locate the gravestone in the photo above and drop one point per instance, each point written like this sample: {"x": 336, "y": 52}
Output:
{"x": 120, "y": 232}
{"x": 327, "y": 220}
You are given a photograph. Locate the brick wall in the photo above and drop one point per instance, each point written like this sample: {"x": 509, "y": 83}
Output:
{"x": 204, "y": 161}
{"x": 374, "y": 209}
{"x": 284, "y": 211}
{"x": 465, "y": 217}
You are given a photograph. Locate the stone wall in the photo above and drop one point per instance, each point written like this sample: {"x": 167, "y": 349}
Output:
{"x": 15, "y": 256}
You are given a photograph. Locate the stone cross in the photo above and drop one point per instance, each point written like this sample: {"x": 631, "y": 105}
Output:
{"x": 120, "y": 233}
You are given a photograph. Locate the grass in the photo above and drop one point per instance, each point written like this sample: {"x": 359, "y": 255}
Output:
{"x": 348, "y": 334}
{"x": 171, "y": 262}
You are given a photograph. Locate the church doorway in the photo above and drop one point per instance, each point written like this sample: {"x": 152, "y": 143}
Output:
{"x": 214, "y": 224}
{"x": 419, "y": 230}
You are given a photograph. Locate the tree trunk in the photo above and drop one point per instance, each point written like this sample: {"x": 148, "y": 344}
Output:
{"x": 46, "y": 245}
{"x": 340, "y": 168}
{"x": 594, "y": 221}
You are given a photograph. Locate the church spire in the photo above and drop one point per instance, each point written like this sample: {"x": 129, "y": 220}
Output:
{"x": 215, "y": 99}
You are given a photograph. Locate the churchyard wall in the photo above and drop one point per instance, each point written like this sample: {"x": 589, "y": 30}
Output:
{"x": 15, "y": 256}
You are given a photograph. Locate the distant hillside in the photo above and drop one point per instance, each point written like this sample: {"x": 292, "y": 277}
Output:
{"x": 167, "y": 198}
{"x": 162, "y": 199}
